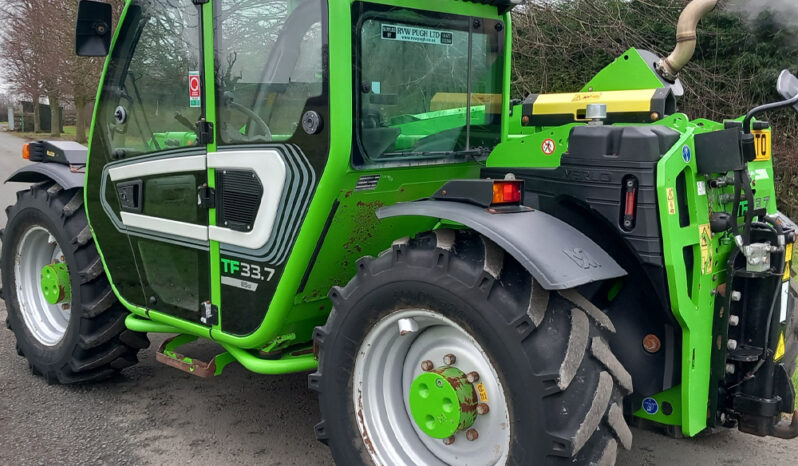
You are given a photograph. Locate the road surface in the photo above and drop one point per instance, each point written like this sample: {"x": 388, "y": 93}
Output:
{"x": 154, "y": 414}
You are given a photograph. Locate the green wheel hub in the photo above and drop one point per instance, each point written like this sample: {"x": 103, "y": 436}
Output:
{"x": 55, "y": 283}
{"x": 442, "y": 402}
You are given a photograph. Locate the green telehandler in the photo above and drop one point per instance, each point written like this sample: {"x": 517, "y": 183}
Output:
{"x": 347, "y": 188}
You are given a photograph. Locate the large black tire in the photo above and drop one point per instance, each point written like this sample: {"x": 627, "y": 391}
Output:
{"x": 96, "y": 344}
{"x": 563, "y": 384}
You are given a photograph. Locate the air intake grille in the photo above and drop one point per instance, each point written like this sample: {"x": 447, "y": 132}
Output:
{"x": 240, "y": 193}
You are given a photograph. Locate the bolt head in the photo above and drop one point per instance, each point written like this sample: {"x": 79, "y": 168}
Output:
{"x": 652, "y": 343}
{"x": 472, "y": 434}
{"x": 449, "y": 359}
{"x": 482, "y": 409}
{"x": 732, "y": 345}
{"x": 730, "y": 368}
{"x": 448, "y": 440}
{"x": 472, "y": 377}
{"x": 734, "y": 321}
{"x": 427, "y": 366}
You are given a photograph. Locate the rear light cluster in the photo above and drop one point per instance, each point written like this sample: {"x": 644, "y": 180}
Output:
{"x": 507, "y": 192}
{"x": 503, "y": 195}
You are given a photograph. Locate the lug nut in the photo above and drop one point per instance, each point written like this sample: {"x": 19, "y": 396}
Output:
{"x": 731, "y": 345}
{"x": 448, "y": 440}
{"x": 482, "y": 409}
{"x": 427, "y": 365}
{"x": 472, "y": 434}
{"x": 736, "y": 296}
{"x": 734, "y": 321}
{"x": 449, "y": 359}
{"x": 472, "y": 377}
{"x": 730, "y": 368}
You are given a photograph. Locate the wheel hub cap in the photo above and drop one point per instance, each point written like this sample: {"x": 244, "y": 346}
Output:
{"x": 443, "y": 402}
{"x": 55, "y": 283}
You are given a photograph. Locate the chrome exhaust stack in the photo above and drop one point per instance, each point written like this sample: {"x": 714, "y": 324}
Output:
{"x": 670, "y": 67}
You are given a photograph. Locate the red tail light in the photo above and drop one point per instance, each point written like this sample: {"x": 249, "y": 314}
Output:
{"x": 507, "y": 192}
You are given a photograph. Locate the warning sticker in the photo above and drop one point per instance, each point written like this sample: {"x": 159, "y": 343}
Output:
{"x": 414, "y": 34}
{"x": 671, "y": 201}
{"x": 780, "y": 349}
{"x": 701, "y": 187}
{"x": 194, "y": 99}
{"x": 548, "y": 147}
{"x": 705, "y": 236}
{"x": 483, "y": 394}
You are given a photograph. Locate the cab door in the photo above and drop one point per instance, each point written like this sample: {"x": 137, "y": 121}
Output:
{"x": 272, "y": 141}
{"x": 148, "y": 161}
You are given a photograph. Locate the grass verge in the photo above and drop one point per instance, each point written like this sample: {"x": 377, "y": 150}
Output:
{"x": 67, "y": 135}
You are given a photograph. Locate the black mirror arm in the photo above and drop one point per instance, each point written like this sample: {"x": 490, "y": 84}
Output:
{"x": 764, "y": 108}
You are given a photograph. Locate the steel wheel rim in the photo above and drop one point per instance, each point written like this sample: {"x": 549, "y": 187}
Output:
{"x": 386, "y": 364}
{"x": 46, "y": 322}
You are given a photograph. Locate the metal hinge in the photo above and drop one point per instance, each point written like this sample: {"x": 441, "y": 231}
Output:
{"x": 210, "y": 313}
{"x": 206, "y": 197}
{"x": 204, "y": 132}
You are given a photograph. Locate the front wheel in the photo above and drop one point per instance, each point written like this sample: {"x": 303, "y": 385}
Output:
{"x": 61, "y": 308}
{"x": 444, "y": 350}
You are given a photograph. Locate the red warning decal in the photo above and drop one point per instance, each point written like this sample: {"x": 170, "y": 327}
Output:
{"x": 194, "y": 89}
{"x": 548, "y": 147}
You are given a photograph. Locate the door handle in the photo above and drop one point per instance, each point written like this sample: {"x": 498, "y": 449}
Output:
{"x": 130, "y": 195}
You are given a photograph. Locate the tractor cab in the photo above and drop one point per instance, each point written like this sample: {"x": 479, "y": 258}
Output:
{"x": 216, "y": 124}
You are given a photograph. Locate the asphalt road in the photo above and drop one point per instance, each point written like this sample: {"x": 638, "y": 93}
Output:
{"x": 154, "y": 414}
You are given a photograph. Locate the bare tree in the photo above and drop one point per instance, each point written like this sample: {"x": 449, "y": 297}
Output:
{"x": 21, "y": 54}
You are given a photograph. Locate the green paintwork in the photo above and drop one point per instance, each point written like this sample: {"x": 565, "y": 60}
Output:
{"x": 55, "y": 283}
{"x": 671, "y": 396}
{"x": 527, "y": 150}
{"x": 628, "y": 72}
{"x": 442, "y": 402}
{"x": 170, "y": 349}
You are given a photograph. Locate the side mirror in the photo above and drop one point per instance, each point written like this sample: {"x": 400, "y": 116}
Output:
{"x": 93, "y": 29}
{"x": 788, "y": 86}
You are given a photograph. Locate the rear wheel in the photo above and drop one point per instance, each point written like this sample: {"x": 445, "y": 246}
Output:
{"x": 61, "y": 308}
{"x": 443, "y": 350}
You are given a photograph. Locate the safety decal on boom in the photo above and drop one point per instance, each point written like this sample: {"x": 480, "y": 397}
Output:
{"x": 415, "y": 34}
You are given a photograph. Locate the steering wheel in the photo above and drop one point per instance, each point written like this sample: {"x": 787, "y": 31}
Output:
{"x": 265, "y": 131}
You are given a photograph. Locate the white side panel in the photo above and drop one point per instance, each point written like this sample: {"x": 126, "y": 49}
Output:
{"x": 270, "y": 169}
{"x": 193, "y": 163}
{"x": 162, "y": 225}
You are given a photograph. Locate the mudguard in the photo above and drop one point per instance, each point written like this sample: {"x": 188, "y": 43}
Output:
{"x": 38, "y": 172}
{"x": 557, "y": 255}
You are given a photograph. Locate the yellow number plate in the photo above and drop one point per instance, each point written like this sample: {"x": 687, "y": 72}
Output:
{"x": 762, "y": 145}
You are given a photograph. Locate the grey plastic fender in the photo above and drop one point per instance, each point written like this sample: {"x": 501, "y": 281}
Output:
{"x": 557, "y": 255}
{"x": 38, "y": 172}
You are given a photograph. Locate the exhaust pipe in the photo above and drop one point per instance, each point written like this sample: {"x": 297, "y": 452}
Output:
{"x": 669, "y": 67}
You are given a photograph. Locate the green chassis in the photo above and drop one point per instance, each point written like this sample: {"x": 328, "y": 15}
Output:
{"x": 292, "y": 316}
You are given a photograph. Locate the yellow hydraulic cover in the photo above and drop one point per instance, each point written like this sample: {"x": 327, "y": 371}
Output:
{"x": 636, "y": 106}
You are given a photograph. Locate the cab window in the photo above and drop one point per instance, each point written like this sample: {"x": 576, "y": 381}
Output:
{"x": 268, "y": 61}
{"x": 429, "y": 85}
{"x": 152, "y": 96}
